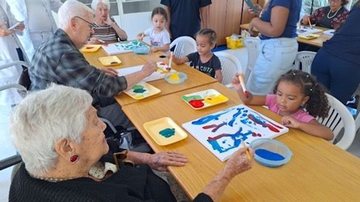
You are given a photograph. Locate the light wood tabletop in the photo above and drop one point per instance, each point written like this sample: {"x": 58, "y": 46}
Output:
{"x": 318, "y": 170}
{"x": 318, "y": 42}
{"x": 127, "y": 59}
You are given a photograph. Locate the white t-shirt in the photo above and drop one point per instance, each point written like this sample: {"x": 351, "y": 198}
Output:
{"x": 158, "y": 39}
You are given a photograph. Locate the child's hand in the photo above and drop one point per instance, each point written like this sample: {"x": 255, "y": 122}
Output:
{"x": 236, "y": 82}
{"x": 289, "y": 121}
{"x": 140, "y": 36}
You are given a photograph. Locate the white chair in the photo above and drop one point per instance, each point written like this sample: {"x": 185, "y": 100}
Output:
{"x": 230, "y": 66}
{"x": 252, "y": 45}
{"x": 184, "y": 45}
{"x": 339, "y": 119}
{"x": 304, "y": 60}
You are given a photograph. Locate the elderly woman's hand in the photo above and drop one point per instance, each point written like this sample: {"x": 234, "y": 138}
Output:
{"x": 162, "y": 160}
{"x": 238, "y": 163}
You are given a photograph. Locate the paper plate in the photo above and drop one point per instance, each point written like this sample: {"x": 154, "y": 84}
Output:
{"x": 90, "y": 48}
{"x": 164, "y": 131}
{"x": 309, "y": 36}
{"x": 204, "y": 99}
{"x": 142, "y": 90}
{"x": 110, "y": 60}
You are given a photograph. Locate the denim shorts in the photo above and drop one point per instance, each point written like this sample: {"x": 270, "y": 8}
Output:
{"x": 276, "y": 57}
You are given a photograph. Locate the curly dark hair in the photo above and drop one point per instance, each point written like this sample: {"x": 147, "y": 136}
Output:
{"x": 317, "y": 105}
{"x": 209, "y": 33}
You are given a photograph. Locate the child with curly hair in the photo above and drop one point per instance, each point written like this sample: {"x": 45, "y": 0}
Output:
{"x": 298, "y": 98}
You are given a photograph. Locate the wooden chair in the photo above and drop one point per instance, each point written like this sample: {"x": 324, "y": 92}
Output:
{"x": 341, "y": 122}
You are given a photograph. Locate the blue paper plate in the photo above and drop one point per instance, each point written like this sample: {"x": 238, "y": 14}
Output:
{"x": 270, "y": 153}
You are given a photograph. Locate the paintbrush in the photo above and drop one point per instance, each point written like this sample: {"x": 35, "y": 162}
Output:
{"x": 247, "y": 150}
{"x": 311, "y": 26}
{"x": 170, "y": 60}
{"x": 242, "y": 83}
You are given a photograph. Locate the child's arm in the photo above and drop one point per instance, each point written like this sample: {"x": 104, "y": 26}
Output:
{"x": 313, "y": 127}
{"x": 218, "y": 75}
{"x": 180, "y": 60}
{"x": 163, "y": 48}
{"x": 248, "y": 99}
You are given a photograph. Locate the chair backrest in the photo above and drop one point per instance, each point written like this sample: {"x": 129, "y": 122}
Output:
{"x": 338, "y": 120}
{"x": 304, "y": 60}
{"x": 230, "y": 66}
{"x": 184, "y": 45}
{"x": 252, "y": 45}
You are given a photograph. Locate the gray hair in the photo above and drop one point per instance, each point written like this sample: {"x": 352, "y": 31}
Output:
{"x": 45, "y": 117}
{"x": 69, "y": 10}
{"x": 95, "y": 3}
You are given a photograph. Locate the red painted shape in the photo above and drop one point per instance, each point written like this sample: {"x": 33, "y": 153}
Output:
{"x": 196, "y": 103}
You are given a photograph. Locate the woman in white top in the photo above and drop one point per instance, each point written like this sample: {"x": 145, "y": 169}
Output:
{"x": 9, "y": 44}
{"x": 38, "y": 20}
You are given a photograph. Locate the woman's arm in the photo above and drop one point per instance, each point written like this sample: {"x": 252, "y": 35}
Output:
{"x": 276, "y": 26}
{"x": 237, "y": 164}
{"x": 313, "y": 127}
{"x": 120, "y": 32}
{"x": 159, "y": 161}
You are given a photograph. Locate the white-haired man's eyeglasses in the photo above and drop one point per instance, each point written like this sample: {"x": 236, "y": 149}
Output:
{"x": 91, "y": 25}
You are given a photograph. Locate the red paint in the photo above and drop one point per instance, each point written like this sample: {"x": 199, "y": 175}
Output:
{"x": 196, "y": 103}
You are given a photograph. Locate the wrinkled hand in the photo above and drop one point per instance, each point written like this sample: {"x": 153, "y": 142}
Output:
{"x": 110, "y": 71}
{"x": 238, "y": 163}
{"x": 289, "y": 121}
{"x": 162, "y": 160}
{"x": 149, "y": 68}
{"x": 109, "y": 21}
{"x": 94, "y": 40}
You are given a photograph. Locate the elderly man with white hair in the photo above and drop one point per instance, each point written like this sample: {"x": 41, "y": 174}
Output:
{"x": 61, "y": 140}
{"x": 60, "y": 61}
{"x": 106, "y": 31}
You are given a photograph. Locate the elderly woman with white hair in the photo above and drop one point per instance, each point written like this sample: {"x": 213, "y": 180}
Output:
{"x": 106, "y": 31}
{"x": 61, "y": 141}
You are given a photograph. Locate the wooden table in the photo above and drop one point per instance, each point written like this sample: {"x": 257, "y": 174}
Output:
{"x": 318, "y": 170}
{"x": 318, "y": 42}
{"x": 127, "y": 59}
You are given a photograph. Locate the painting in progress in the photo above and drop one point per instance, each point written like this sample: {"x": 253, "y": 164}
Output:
{"x": 222, "y": 132}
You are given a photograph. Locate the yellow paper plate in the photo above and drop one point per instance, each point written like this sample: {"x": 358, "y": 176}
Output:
{"x": 90, "y": 48}
{"x": 142, "y": 90}
{"x": 204, "y": 99}
{"x": 309, "y": 36}
{"x": 164, "y": 131}
{"x": 110, "y": 60}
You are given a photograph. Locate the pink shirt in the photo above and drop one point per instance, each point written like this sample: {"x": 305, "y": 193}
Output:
{"x": 300, "y": 115}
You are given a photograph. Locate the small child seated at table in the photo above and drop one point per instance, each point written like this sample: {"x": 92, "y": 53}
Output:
{"x": 159, "y": 36}
{"x": 298, "y": 98}
{"x": 204, "y": 60}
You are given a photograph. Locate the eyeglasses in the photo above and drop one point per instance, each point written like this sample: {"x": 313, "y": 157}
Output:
{"x": 91, "y": 25}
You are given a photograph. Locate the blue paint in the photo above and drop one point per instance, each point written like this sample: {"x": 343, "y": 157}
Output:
{"x": 269, "y": 155}
{"x": 167, "y": 132}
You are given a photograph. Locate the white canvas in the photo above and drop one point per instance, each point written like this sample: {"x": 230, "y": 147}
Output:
{"x": 223, "y": 131}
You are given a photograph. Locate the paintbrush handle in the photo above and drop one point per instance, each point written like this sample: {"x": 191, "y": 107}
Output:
{"x": 242, "y": 83}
